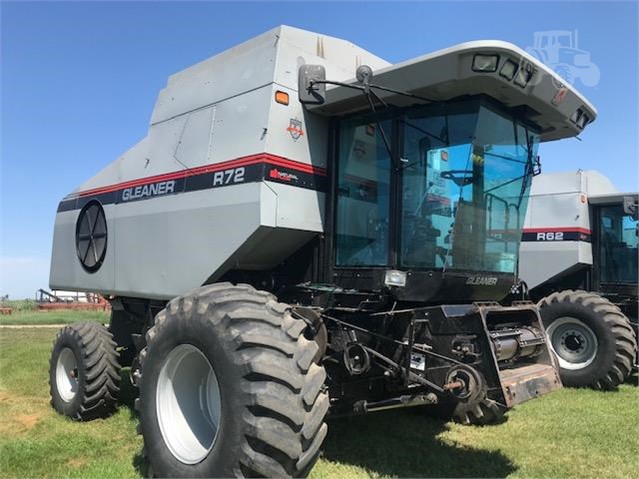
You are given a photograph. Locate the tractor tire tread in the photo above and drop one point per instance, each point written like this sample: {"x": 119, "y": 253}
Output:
{"x": 101, "y": 371}
{"x": 284, "y": 402}
{"x": 618, "y": 325}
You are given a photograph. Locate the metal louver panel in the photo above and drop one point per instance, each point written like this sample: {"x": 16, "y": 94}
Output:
{"x": 91, "y": 236}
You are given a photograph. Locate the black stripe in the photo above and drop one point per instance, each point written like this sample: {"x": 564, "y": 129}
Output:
{"x": 553, "y": 236}
{"x": 233, "y": 176}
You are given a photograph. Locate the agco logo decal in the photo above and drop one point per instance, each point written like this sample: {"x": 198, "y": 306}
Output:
{"x": 295, "y": 128}
{"x": 282, "y": 176}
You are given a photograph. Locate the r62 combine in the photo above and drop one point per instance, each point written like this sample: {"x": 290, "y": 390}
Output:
{"x": 309, "y": 231}
{"x": 579, "y": 259}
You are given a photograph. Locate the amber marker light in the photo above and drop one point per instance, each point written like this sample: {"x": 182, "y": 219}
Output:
{"x": 281, "y": 97}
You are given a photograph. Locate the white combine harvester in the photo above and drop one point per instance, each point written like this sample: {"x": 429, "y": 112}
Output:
{"x": 306, "y": 230}
{"x": 579, "y": 259}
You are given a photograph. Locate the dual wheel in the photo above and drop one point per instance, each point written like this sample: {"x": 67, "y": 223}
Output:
{"x": 228, "y": 386}
{"x": 84, "y": 372}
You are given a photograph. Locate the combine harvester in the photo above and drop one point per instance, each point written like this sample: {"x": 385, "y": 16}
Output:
{"x": 579, "y": 259}
{"x": 306, "y": 230}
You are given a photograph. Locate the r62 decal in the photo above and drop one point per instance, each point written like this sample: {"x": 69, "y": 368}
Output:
{"x": 550, "y": 236}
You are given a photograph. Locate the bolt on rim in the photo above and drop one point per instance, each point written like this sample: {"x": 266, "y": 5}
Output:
{"x": 574, "y": 343}
{"x": 66, "y": 375}
{"x": 188, "y": 404}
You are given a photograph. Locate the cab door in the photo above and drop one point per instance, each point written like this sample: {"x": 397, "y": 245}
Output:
{"x": 363, "y": 195}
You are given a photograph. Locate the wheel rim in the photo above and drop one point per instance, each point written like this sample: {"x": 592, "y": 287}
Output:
{"x": 188, "y": 404}
{"x": 66, "y": 375}
{"x": 574, "y": 343}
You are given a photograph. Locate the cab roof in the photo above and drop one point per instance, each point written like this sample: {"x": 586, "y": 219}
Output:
{"x": 557, "y": 108}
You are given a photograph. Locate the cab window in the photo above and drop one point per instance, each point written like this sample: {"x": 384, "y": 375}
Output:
{"x": 363, "y": 195}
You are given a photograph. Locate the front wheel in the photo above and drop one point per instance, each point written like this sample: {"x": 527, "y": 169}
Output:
{"x": 592, "y": 339}
{"x": 228, "y": 387}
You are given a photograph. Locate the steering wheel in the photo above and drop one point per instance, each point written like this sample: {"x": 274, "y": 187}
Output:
{"x": 459, "y": 177}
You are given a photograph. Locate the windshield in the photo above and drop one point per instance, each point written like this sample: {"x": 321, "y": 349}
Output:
{"x": 618, "y": 246}
{"x": 465, "y": 184}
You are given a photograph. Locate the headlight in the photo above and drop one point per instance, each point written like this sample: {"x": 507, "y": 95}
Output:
{"x": 576, "y": 116}
{"x": 508, "y": 70}
{"x": 395, "y": 278}
{"x": 580, "y": 118}
{"x": 524, "y": 75}
{"x": 485, "y": 63}
{"x": 583, "y": 121}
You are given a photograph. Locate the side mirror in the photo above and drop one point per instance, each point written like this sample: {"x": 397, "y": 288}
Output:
{"x": 630, "y": 207}
{"x": 311, "y": 87}
{"x": 537, "y": 166}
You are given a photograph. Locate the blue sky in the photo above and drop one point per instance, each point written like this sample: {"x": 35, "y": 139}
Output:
{"x": 79, "y": 81}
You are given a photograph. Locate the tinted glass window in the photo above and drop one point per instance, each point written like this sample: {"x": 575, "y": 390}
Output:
{"x": 432, "y": 145}
{"x": 465, "y": 177}
{"x": 363, "y": 195}
{"x": 617, "y": 246}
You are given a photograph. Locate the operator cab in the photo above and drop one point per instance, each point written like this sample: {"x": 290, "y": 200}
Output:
{"x": 431, "y": 168}
{"x": 458, "y": 192}
{"x": 616, "y": 227}
{"x": 452, "y": 199}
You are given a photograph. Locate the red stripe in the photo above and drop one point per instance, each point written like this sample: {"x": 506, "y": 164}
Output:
{"x": 561, "y": 229}
{"x": 243, "y": 161}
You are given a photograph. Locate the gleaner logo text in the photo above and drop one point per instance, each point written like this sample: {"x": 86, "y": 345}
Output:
{"x": 146, "y": 191}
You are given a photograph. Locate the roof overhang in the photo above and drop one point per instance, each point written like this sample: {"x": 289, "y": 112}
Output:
{"x": 448, "y": 74}
{"x": 611, "y": 199}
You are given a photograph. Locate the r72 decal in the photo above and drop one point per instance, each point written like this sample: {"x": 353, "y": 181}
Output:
{"x": 229, "y": 177}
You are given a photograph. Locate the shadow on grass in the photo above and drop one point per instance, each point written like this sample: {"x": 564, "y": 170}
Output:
{"x": 128, "y": 392}
{"x": 404, "y": 443}
{"x": 401, "y": 443}
{"x": 127, "y": 396}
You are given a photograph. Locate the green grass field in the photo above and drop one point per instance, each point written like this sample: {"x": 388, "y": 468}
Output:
{"x": 29, "y": 317}
{"x": 570, "y": 433}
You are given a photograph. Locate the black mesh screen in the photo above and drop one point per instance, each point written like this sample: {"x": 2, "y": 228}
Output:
{"x": 91, "y": 236}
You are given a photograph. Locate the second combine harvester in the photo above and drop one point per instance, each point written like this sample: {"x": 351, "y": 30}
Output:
{"x": 307, "y": 230}
{"x": 579, "y": 258}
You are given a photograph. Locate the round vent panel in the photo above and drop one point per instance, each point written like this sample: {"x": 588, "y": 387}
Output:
{"x": 91, "y": 236}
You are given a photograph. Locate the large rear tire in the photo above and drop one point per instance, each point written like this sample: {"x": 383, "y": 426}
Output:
{"x": 592, "y": 339}
{"x": 228, "y": 388}
{"x": 84, "y": 373}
